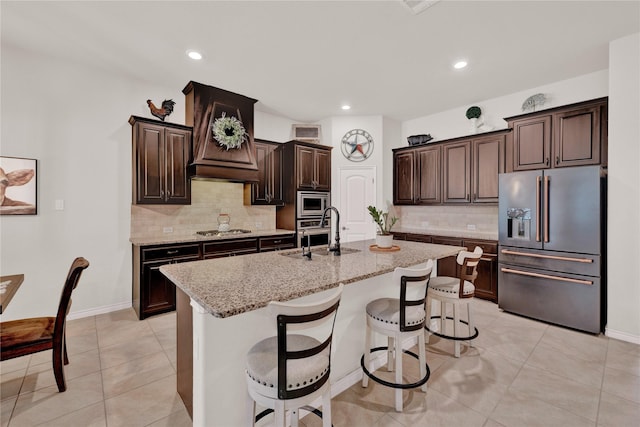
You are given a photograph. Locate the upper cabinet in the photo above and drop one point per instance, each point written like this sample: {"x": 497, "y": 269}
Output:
{"x": 572, "y": 135}
{"x": 161, "y": 153}
{"x": 460, "y": 170}
{"x": 268, "y": 190}
{"x": 309, "y": 164}
{"x": 212, "y": 157}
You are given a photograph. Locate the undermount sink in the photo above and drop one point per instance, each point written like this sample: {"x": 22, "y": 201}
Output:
{"x": 317, "y": 250}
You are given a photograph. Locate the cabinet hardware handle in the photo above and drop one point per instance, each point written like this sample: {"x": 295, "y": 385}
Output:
{"x": 546, "y": 162}
{"x": 172, "y": 252}
{"x": 555, "y": 257}
{"x": 277, "y": 241}
{"x": 546, "y": 208}
{"x": 557, "y": 160}
{"x": 538, "y": 213}
{"x": 546, "y": 276}
{"x": 467, "y": 197}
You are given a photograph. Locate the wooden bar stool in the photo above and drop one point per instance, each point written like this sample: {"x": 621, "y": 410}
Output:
{"x": 399, "y": 319}
{"x": 457, "y": 292}
{"x": 287, "y": 372}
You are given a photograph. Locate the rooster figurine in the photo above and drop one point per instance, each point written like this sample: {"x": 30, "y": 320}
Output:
{"x": 164, "y": 111}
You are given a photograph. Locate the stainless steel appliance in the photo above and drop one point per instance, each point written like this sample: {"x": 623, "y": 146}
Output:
{"x": 312, "y": 203}
{"x": 313, "y": 234}
{"x": 552, "y": 245}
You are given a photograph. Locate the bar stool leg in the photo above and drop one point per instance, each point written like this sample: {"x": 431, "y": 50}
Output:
{"x": 398, "y": 356}
{"x": 443, "y": 318}
{"x": 295, "y": 417}
{"x": 472, "y": 327}
{"x": 280, "y": 413}
{"x": 326, "y": 409}
{"x": 251, "y": 411}
{"x": 390, "y": 347}
{"x": 429, "y": 313}
{"x": 367, "y": 354}
{"x": 422, "y": 358}
{"x": 456, "y": 328}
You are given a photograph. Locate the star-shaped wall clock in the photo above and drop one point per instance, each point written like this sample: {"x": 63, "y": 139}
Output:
{"x": 357, "y": 145}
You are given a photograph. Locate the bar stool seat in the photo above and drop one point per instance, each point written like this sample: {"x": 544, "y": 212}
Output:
{"x": 289, "y": 371}
{"x": 456, "y": 292}
{"x": 399, "y": 319}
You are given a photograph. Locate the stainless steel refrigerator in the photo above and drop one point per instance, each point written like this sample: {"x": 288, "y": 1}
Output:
{"x": 552, "y": 246}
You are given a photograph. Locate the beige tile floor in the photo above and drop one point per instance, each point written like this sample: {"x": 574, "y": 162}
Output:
{"x": 518, "y": 373}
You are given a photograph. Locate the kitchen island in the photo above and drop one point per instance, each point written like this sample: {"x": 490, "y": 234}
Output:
{"x": 221, "y": 314}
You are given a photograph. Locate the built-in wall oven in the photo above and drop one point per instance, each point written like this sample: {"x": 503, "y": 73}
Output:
{"x": 309, "y": 230}
{"x": 312, "y": 203}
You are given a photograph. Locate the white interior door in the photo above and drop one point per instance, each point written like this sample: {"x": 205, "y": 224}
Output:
{"x": 357, "y": 191}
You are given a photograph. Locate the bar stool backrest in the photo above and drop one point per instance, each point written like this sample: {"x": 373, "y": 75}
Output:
{"x": 414, "y": 283}
{"x": 319, "y": 316}
{"x": 468, "y": 271}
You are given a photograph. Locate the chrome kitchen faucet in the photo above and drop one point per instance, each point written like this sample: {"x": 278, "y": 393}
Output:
{"x": 336, "y": 247}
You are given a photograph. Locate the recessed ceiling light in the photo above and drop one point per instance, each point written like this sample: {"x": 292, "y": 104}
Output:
{"x": 194, "y": 55}
{"x": 346, "y": 107}
{"x": 460, "y": 64}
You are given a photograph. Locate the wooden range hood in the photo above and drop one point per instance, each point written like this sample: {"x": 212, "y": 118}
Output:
{"x": 203, "y": 105}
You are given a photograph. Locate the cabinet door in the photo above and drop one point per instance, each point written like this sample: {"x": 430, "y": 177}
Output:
{"x": 149, "y": 161}
{"x": 427, "y": 177}
{"x": 276, "y": 243}
{"x": 158, "y": 294}
{"x": 233, "y": 247}
{"x": 260, "y": 189}
{"x": 531, "y": 143}
{"x": 403, "y": 177}
{"x": 447, "y": 266}
{"x": 457, "y": 172}
{"x": 487, "y": 281}
{"x": 276, "y": 188}
{"x": 322, "y": 164}
{"x": 487, "y": 164}
{"x": 305, "y": 167}
{"x": 176, "y": 159}
{"x": 576, "y": 138}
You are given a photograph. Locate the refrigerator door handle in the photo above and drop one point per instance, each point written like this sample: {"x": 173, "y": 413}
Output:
{"x": 538, "y": 213}
{"x": 554, "y": 257}
{"x": 546, "y": 276}
{"x": 546, "y": 208}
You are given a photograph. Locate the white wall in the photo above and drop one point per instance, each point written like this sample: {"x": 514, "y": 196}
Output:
{"x": 624, "y": 189}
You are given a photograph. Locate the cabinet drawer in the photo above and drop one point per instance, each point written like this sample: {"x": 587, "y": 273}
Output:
{"x": 277, "y": 242}
{"x": 411, "y": 237}
{"x": 228, "y": 247}
{"x": 488, "y": 248}
{"x": 170, "y": 252}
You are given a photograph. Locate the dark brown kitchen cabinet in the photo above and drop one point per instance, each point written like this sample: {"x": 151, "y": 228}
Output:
{"x": 571, "y": 135}
{"x": 456, "y": 176}
{"x": 161, "y": 154}
{"x": 153, "y": 293}
{"x": 276, "y": 243}
{"x": 487, "y": 281}
{"x": 447, "y": 266}
{"x": 311, "y": 164}
{"x": 223, "y": 248}
{"x": 268, "y": 190}
{"x": 416, "y": 176}
{"x": 487, "y": 162}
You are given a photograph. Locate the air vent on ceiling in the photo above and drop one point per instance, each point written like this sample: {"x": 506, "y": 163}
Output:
{"x": 309, "y": 133}
{"x": 418, "y": 6}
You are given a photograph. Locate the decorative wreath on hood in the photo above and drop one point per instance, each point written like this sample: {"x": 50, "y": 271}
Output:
{"x": 229, "y": 131}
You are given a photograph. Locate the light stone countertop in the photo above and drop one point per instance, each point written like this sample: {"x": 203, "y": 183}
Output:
{"x": 169, "y": 238}
{"x": 233, "y": 285}
{"x": 465, "y": 234}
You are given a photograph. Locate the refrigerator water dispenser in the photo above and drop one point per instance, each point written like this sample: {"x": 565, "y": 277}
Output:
{"x": 519, "y": 223}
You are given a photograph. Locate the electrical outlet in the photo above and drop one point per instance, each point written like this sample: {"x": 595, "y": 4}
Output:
{"x": 258, "y": 225}
{"x": 471, "y": 226}
{"x": 167, "y": 229}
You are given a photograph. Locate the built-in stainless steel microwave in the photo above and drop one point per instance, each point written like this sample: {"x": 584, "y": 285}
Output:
{"x": 312, "y": 203}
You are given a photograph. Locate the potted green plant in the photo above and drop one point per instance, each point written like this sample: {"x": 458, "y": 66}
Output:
{"x": 384, "y": 238}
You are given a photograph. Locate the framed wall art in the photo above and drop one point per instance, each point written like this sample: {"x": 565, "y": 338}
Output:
{"x": 18, "y": 186}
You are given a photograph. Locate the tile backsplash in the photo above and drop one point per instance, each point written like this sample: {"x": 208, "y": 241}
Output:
{"x": 447, "y": 217}
{"x": 208, "y": 200}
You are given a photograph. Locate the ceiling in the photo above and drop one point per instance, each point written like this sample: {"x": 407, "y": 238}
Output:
{"x": 304, "y": 59}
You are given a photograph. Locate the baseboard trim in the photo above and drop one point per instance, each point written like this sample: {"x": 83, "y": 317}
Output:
{"x": 99, "y": 310}
{"x": 622, "y": 336}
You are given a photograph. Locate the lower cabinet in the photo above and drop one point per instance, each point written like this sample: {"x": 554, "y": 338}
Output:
{"x": 153, "y": 293}
{"x": 487, "y": 280}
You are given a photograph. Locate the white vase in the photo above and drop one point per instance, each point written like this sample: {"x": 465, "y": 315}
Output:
{"x": 384, "y": 240}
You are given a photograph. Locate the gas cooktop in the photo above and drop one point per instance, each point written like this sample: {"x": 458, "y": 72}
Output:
{"x": 211, "y": 233}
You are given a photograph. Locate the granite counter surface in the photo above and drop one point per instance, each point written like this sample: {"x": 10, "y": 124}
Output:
{"x": 233, "y": 285}
{"x": 170, "y": 238}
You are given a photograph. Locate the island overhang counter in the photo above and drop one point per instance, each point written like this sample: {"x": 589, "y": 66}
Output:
{"x": 221, "y": 314}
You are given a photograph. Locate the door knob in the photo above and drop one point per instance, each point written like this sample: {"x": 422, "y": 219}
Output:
{"x": 344, "y": 228}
